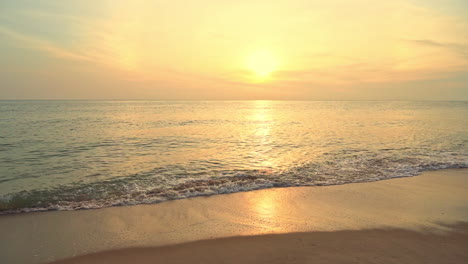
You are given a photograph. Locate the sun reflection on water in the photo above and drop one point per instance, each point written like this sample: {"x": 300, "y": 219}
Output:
{"x": 262, "y": 134}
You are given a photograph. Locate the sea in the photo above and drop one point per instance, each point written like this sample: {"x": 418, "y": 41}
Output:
{"x": 70, "y": 155}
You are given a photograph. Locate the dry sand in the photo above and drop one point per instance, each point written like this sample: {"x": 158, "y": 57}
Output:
{"x": 406, "y": 220}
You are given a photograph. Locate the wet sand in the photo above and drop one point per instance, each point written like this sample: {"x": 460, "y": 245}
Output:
{"x": 406, "y": 220}
{"x": 367, "y": 246}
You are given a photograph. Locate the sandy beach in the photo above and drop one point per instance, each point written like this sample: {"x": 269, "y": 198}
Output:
{"x": 368, "y": 246}
{"x": 419, "y": 219}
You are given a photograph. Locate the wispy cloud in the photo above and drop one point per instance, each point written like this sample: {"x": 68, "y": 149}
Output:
{"x": 40, "y": 44}
{"x": 458, "y": 48}
{"x": 329, "y": 44}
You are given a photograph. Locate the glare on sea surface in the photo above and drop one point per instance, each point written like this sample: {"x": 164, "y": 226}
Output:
{"x": 262, "y": 134}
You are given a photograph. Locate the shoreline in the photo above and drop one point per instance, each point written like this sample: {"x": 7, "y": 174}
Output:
{"x": 431, "y": 201}
{"x": 45, "y": 210}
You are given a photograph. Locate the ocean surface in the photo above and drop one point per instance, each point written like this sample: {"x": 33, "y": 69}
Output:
{"x": 67, "y": 155}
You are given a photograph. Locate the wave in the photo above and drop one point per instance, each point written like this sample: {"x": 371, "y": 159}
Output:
{"x": 162, "y": 184}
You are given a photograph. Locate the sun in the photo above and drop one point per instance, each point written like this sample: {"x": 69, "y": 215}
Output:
{"x": 262, "y": 63}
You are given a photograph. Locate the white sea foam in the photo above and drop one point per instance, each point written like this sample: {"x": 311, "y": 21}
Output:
{"x": 130, "y": 192}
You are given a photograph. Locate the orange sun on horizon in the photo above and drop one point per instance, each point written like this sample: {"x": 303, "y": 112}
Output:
{"x": 261, "y": 63}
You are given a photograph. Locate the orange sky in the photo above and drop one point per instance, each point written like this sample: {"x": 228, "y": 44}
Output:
{"x": 218, "y": 49}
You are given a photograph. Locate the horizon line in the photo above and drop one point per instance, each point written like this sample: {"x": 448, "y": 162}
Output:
{"x": 237, "y": 100}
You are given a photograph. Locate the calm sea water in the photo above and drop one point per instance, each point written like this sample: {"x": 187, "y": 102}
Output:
{"x": 89, "y": 154}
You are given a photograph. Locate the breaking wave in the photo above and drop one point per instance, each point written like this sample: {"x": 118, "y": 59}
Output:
{"x": 160, "y": 184}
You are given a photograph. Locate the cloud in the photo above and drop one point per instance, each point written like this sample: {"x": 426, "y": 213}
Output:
{"x": 40, "y": 44}
{"x": 457, "y": 48}
{"x": 203, "y": 47}
{"x": 61, "y": 35}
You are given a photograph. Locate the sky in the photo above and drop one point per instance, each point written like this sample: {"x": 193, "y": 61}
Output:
{"x": 234, "y": 50}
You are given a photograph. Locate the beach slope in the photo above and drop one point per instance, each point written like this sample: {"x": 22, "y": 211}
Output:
{"x": 419, "y": 219}
{"x": 368, "y": 246}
